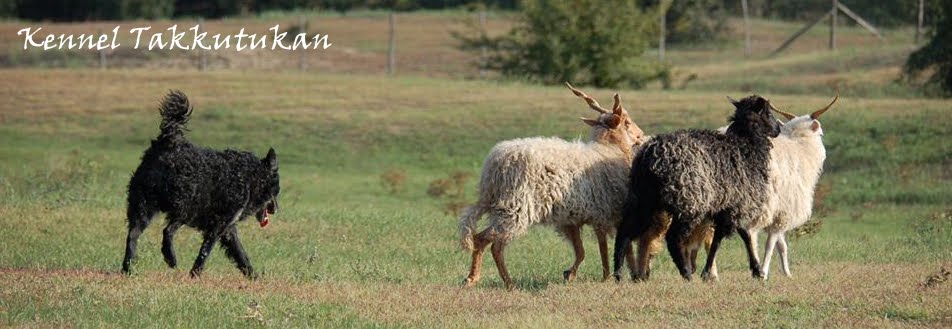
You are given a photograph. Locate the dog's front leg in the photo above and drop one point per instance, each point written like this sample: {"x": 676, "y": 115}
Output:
{"x": 210, "y": 238}
{"x": 229, "y": 241}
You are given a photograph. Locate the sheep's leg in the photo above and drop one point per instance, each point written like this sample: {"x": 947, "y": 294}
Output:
{"x": 622, "y": 244}
{"x": 782, "y": 250}
{"x": 479, "y": 245}
{"x": 676, "y": 249}
{"x": 499, "y": 256}
{"x": 710, "y": 271}
{"x": 707, "y": 246}
{"x": 632, "y": 262}
{"x": 573, "y": 233}
{"x": 772, "y": 241}
{"x": 603, "y": 252}
{"x": 692, "y": 258}
{"x": 752, "y": 258}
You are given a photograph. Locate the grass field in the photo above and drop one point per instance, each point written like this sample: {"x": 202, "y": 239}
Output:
{"x": 345, "y": 251}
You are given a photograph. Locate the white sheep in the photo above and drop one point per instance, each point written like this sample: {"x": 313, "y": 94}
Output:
{"x": 795, "y": 168}
{"x": 556, "y": 182}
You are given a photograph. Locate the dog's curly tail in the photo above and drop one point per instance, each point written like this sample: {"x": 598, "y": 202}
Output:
{"x": 175, "y": 111}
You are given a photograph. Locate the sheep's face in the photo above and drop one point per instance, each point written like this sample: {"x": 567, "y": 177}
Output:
{"x": 616, "y": 128}
{"x": 611, "y": 127}
{"x": 752, "y": 117}
{"x": 804, "y": 125}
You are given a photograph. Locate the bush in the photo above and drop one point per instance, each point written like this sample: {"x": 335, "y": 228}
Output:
{"x": 584, "y": 41}
{"x": 691, "y": 21}
{"x": 936, "y": 56}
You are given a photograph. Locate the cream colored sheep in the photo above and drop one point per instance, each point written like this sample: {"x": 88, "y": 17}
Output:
{"x": 795, "y": 168}
{"x": 551, "y": 181}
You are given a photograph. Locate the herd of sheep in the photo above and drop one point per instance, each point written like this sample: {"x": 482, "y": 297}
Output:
{"x": 690, "y": 187}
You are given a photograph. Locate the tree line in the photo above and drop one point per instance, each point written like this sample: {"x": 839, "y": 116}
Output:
{"x": 687, "y": 18}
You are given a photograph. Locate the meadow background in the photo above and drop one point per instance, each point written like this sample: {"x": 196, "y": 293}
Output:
{"x": 374, "y": 166}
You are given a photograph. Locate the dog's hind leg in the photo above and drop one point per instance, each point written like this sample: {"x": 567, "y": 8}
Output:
{"x": 211, "y": 236}
{"x": 168, "y": 234}
{"x": 232, "y": 246}
{"x": 139, "y": 214}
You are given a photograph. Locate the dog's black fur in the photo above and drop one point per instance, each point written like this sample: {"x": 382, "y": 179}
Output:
{"x": 205, "y": 189}
{"x": 695, "y": 176}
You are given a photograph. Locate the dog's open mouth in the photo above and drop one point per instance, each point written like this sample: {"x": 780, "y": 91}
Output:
{"x": 264, "y": 217}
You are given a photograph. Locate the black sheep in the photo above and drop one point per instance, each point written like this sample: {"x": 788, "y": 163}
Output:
{"x": 695, "y": 176}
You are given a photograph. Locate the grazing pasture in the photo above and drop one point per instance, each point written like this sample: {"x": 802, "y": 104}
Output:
{"x": 359, "y": 241}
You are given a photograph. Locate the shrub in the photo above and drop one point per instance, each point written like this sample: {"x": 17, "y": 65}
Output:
{"x": 584, "y": 41}
{"x": 936, "y": 56}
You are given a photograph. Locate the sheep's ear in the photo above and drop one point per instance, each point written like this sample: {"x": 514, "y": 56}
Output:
{"x": 815, "y": 126}
{"x": 271, "y": 160}
{"x": 614, "y": 121}
{"x": 732, "y": 100}
{"x": 591, "y": 122}
{"x": 617, "y": 108}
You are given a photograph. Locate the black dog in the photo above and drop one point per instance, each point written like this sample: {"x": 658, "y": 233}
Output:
{"x": 206, "y": 189}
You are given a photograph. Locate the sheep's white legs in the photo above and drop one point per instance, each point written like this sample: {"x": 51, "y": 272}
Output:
{"x": 573, "y": 233}
{"x": 782, "y": 250}
{"x": 480, "y": 244}
{"x": 498, "y": 256}
{"x": 772, "y": 241}
{"x": 603, "y": 252}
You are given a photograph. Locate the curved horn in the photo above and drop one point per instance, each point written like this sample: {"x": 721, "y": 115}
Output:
{"x": 819, "y": 112}
{"x": 591, "y": 101}
{"x": 786, "y": 115}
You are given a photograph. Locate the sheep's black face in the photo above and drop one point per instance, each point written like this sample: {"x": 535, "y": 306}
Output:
{"x": 753, "y": 116}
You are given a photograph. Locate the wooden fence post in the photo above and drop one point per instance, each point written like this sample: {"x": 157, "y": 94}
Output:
{"x": 663, "y": 22}
{"x": 302, "y": 60}
{"x": 743, "y": 4}
{"x": 391, "y": 53}
{"x": 483, "y": 60}
{"x": 833, "y": 12}
{"x": 102, "y": 55}
{"x": 203, "y": 60}
{"x": 919, "y": 24}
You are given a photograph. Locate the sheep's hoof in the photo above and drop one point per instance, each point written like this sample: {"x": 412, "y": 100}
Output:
{"x": 469, "y": 282}
{"x": 568, "y": 275}
{"x": 757, "y": 274}
{"x": 708, "y": 277}
{"x": 617, "y": 277}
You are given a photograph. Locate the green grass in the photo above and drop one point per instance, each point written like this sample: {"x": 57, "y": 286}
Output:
{"x": 344, "y": 252}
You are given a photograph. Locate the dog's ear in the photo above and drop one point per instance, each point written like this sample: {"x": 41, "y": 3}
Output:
{"x": 271, "y": 160}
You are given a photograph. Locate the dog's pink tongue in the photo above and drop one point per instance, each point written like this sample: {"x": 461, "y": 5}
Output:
{"x": 266, "y": 221}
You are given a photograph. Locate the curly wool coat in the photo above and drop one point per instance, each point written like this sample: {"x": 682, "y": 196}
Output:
{"x": 202, "y": 188}
{"x": 551, "y": 181}
{"x": 694, "y": 175}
